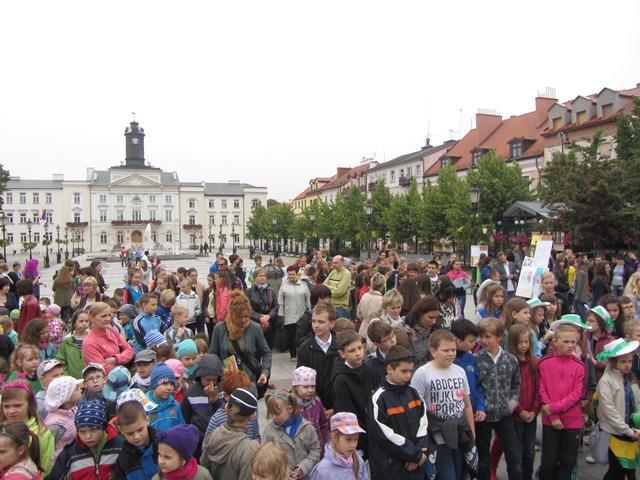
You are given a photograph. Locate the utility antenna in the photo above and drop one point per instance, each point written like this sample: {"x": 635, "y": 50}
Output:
{"x": 460, "y": 122}
{"x": 133, "y": 114}
{"x": 429, "y": 118}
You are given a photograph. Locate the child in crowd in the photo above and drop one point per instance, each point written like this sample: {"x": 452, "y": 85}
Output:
{"x": 181, "y": 384}
{"x": 188, "y": 355}
{"x": 548, "y": 284}
{"x": 319, "y": 351}
{"x": 36, "y": 333}
{"x": 164, "y": 352}
{"x": 618, "y": 401}
{"x": 343, "y": 324}
{"x": 229, "y": 451}
{"x": 57, "y": 329}
{"x": 341, "y": 459}
{"x": 201, "y": 400}
{"x": 628, "y": 309}
{"x": 601, "y": 325}
{"x": 118, "y": 382}
{"x": 232, "y": 379}
{"x": 524, "y": 416}
{"x": 126, "y": 314}
{"x": 167, "y": 412}
{"x": 147, "y": 321}
{"x": 176, "y": 447}
{"x": 391, "y": 305}
{"x": 500, "y": 378}
{"x": 47, "y": 371}
{"x": 382, "y": 336}
{"x": 8, "y": 329}
{"x": 270, "y": 463}
{"x": 18, "y": 404}
{"x": 167, "y": 301}
{"x": 189, "y": 300}
{"x": 154, "y": 339}
{"x": 397, "y": 423}
{"x": 490, "y": 303}
{"x": 178, "y": 331}
{"x": 445, "y": 390}
{"x": 144, "y": 362}
{"x": 94, "y": 451}
{"x": 303, "y": 386}
{"x": 291, "y": 432}
{"x": 466, "y": 333}
{"x": 631, "y": 333}
{"x": 139, "y": 456}
{"x": 94, "y": 381}
{"x": 118, "y": 296}
{"x": 70, "y": 351}
{"x": 24, "y": 363}
{"x": 352, "y": 381}
{"x": 518, "y": 312}
{"x": 62, "y": 395}
{"x": 614, "y": 307}
{"x": 202, "y": 346}
{"x": 20, "y": 447}
{"x": 539, "y": 326}
{"x": 562, "y": 384}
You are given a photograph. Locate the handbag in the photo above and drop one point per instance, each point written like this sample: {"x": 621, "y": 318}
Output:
{"x": 257, "y": 371}
{"x": 599, "y": 445}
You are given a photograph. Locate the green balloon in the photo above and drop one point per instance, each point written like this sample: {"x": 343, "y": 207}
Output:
{"x": 635, "y": 419}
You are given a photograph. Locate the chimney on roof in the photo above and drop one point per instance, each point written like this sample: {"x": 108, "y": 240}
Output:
{"x": 427, "y": 144}
{"x": 343, "y": 171}
{"x": 544, "y": 101}
{"x": 57, "y": 176}
{"x": 487, "y": 121}
{"x": 90, "y": 173}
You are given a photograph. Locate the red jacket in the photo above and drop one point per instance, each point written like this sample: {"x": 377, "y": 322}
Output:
{"x": 529, "y": 399}
{"x": 30, "y": 309}
{"x": 562, "y": 388}
{"x": 605, "y": 338}
{"x": 98, "y": 346}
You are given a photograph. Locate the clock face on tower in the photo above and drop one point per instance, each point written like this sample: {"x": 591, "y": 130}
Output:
{"x": 134, "y": 141}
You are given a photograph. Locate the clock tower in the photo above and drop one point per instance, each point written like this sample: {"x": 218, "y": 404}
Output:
{"x": 134, "y": 140}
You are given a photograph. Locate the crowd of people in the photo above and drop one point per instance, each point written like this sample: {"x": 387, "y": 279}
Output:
{"x": 160, "y": 378}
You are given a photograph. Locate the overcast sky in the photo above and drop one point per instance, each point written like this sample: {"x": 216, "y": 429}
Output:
{"x": 273, "y": 92}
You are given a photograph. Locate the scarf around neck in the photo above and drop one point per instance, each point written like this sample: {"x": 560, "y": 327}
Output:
{"x": 188, "y": 471}
{"x": 291, "y": 426}
{"x": 345, "y": 461}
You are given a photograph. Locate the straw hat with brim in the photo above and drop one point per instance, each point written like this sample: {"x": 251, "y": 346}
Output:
{"x": 617, "y": 348}
{"x": 536, "y": 302}
{"x": 570, "y": 319}
{"x": 602, "y": 312}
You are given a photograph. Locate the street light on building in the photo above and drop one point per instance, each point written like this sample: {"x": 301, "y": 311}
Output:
{"x": 210, "y": 237}
{"x": 4, "y": 234}
{"x": 66, "y": 243}
{"x": 46, "y": 244}
{"x": 312, "y": 219}
{"x": 276, "y": 247}
{"x": 233, "y": 237}
{"x": 29, "y": 223}
{"x": 474, "y": 194}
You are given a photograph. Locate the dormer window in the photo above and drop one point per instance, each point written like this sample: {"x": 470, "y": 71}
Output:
{"x": 557, "y": 123}
{"x": 444, "y": 162}
{"x": 516, "y": 149}
{"x": 607, "y": 109}
{"x": 581, "y": 117}
{"x": 476, "y": 155}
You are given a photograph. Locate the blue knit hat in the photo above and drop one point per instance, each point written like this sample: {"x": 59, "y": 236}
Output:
{"x": 154, "y": 338}
{"x": 92, "y": 414}
{"x": 187, "y": 347}
{"x": 160, "y": 374}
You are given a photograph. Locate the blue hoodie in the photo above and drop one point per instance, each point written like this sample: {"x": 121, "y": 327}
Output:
{"x": 142, "y": 325}
{"x": 167, "y": 413}
{"x": 467, "y": 361}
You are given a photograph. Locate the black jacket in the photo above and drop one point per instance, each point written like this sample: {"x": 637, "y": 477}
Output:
{"x": 376, "y": 363}
{"x": 400, "y": 409}
{"x": 134, "y": 464}
{"x": 311, "y": 355}
{"x": 351, "y": 390}
{"x": 197, "y": 407}
{"x": 263, "y": 302}
{"x": 303, "y": 328}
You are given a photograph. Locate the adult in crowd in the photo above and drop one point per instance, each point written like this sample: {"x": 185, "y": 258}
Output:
{"x": 15, "y": 275}
{"x": 32, "y": 273}
{"x": 461, "y": 281}
{"x": 134, "y": 288}
{"x": 264, "y": 304}
{"x": 90, "y": 293}
{"x": 240, "y": 337}
{"x": 339, "y": 282}
{"x": 30, "y": 308}
{"x": 97, "y": 267}
{"x": 508, "y": 275}
{"x": 600, "y": 284}
{"x": 63, "y": 289}
{"x": 293, "y": 300}
{"x": 370, "y": 305}
{"x": 7, "y": 299}
{"x": 103, "y": 344}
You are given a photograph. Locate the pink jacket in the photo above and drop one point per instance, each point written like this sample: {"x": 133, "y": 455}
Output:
{"x": 222, "y": 303}
{"x": 562, "y": 388}
{"x": 97, "y": 346}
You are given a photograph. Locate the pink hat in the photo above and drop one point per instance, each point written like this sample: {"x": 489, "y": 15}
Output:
{"x": 345, "y": 422}
{"x": 54, "y": 309}
{"x": 303, "y": 376}
{"x": 175, "y": 366}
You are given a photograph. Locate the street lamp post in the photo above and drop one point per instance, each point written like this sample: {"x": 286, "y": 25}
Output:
{"x": 220, "y": 239}
{"x": 66, "y": 243}
{"x": 312, "y": 219}
{"x": 233, "y": 237}
{"x": 58, "y": 244}
{"x": 29, "y": 223}
{"x": 276, "y": 246}
{"x": 369, "y": 208}
{"x": 4, "y": 235}
{"x": 46, "y": 245}
{"x": 210, "y": 238}
{"x": 201, "y": 247}
{"x": 474, "y": 193}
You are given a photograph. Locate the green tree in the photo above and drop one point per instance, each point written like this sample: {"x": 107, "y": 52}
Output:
{"x": 350, "y": 216}
{"x": 380, "y": 203}
{"x": 257, "y": 226}
{"x": 325, "y": 221}
{"x": 4, "y": 178}
{"x": 500, "y": 186}
{"x": 628, "y": 136}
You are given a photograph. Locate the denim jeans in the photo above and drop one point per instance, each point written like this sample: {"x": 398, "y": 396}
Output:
{"x": 449, "y": 463}
{"x": 526, "y": 433}
{"x": 505, "y": 430}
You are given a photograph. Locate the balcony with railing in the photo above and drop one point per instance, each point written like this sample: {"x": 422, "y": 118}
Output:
{"x": 192, "y": 226}
{"x": 405, "y": 180}
{"x": 126, "y": 223}
{"x": 77, "y": 224}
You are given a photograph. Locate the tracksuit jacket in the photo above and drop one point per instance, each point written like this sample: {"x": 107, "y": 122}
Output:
{"x": 397, "y": 426}
{"x": 77, "y": 462}
{"x": 467, "y": 362}
{"x": 562, "y": 384}
{"x": 137, "y": 463}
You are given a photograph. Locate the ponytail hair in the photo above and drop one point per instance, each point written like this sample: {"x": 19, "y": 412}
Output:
{"x": 22, "y": 436}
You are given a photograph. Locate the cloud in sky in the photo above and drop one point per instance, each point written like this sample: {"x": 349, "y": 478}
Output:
{"x": 273, "y": 93}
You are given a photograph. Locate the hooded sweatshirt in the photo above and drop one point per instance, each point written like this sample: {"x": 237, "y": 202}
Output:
{"x": 167, "y": 413}
{"x": 198, "y": 407}
{"x": 228, "y": 454}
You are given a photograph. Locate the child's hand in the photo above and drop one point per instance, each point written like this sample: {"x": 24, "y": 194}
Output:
{"x": 479, "y": 416}
{"x": 411, "y": 466}
{"x": 532, "y": 417}
{"x": 329, "y": 413}
{"x": 296, "y": 474}
{"x": 546, "y": 410}
{"x": 636, "y": 434}
{"x": 557, "y": 424}
{"x": 524, "y": 415}
{"x": 211, "y": 390}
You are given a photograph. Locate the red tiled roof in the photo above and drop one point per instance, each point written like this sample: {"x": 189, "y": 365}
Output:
{"x": 302, "y": 194}
{"x": 338, "y": 181}
{"x": 457, "y": 153}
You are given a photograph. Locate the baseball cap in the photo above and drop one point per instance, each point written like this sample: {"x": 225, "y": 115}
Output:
{"x": 92, "y": 366}
{"x": 145, "y": 355}
{"x": 47, "y": 365}
{"x": 346, "y": 422}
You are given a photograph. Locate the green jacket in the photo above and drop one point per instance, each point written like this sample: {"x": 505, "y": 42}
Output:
{"x": 340, "y": 285}
{"x": 71, "y": 355}
{"x": 202, "y": 474}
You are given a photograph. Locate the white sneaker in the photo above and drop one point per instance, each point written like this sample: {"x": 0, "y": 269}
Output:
{"x": 590, "y": 459}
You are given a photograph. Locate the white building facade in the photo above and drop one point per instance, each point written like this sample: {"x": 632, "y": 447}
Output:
{"x": 113, "y": 207}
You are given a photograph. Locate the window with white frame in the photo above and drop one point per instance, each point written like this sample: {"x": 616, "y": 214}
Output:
{"x": 120, "y": 214}
{"x": 224, "y": 219}
{"x": 36, "y": 237}
{"x": 23, "y": 237}
{"x": 23, "y": 198}
{"x": 9, "y": 218}
{"x": 212, "y": 203}
{"x": 152, "y": 199}
{"x": 236, "y": 204}
{"x": 516, "y": 149}
{"x": 192, "y": 219}
{"x": 49, "y": 236}
{"x": 154, "y": 237}
{"x": 103, "y": 238}
{"x": 48, "y": 198}
{"x": 168, "y": 237}
{"x": 167, "y": 199}
{"x": 8, "y": 197}
{"x": 119, "y": 237}
{"x": 136, "y": 215}
{"x": 393, "y": 176}
{"x": 23, "y": 217}
{"x": 119, "y": 199}
{"x": 167, "y": 215}
{"x": 36, "y": 217}
{"x": 152, "y": 215}
{"x": 76, "y": 198}
{"x": 418, "y": 170}
{"x": 192, "y": 203}
{"x": 192, "y": 239}
{"x": 76, "y": 218}
{"x": 48, "y": 216}
{"x": 236, "y": 219}
{"x": 224, "y": 203}
{"x": 10, "y": 237}
{"x": 102, "y": 199}
{"x": 254, "y": 203}
{"x": 36, "y": 197}
{"x": 103, "y": 215}
{"x": 212, "y": 219}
